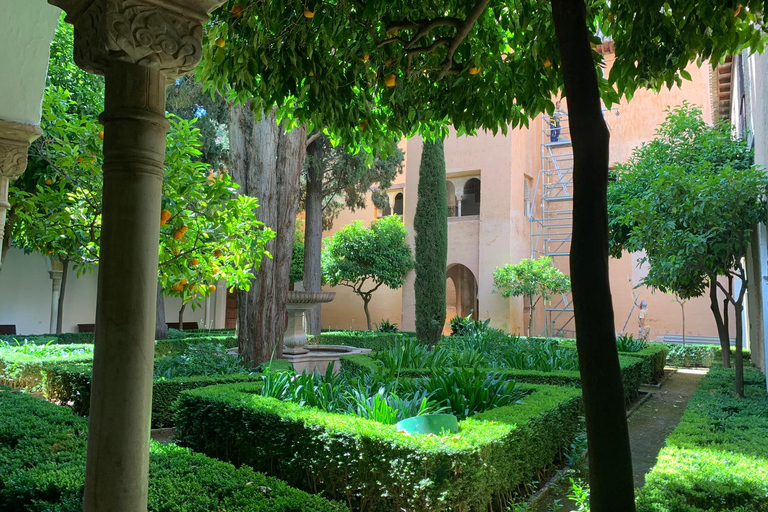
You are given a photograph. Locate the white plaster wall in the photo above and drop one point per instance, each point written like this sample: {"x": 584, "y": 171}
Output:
{"x": 25, "y": 298}
{"x": 27, "y": 28}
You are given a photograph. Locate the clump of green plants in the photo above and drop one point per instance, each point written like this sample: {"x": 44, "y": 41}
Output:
{"x": 386, "y": 326}
{"x": 379, "y": 397}
{"x": 207, "y": 359}
{"x": 463, "y": 326}
{"x": 541, "y": 356}
{"x": 32, "y": 351}
{"x": 628, "y": 343}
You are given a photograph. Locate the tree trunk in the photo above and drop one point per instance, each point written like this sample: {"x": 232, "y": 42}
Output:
{"x": 161, "y": 327}
{"x": 60, "y": 317}
{"x": 610, "y": 458}
{"x": 738, "y": 360}
{"x": 682, "y": 310}
{"x": 530, "y": 320}
{"x": 313, "y": 229}
{"x": 181, "y": 315}
{"x": 266, "y": 163}
{"x": 722, "y": 328}
{"x": 367, "y": 313}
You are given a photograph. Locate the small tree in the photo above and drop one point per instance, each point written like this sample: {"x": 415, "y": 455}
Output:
{"x": 690, "y": 199}
{"x": 364, "y": 259}
{"x": 431, "y": 225}
{"x": 534, "y": 279}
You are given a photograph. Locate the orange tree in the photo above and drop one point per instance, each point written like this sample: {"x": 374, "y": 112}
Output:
{"x": 363, "y": 69}
{"x": 208, "y": 231}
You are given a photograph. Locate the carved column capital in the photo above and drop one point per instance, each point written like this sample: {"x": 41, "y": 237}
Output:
{"x": 14, "y": 143}
{"x": 162, "y": 34}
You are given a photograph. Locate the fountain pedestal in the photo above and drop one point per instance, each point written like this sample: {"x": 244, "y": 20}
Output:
{"x": 297, "y": 304}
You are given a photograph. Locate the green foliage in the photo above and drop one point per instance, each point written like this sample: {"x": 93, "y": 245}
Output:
{"x": 467, "y": 326}
{"x": 628, "y": 343}
{"x": 364, "y": 259}
{"x": 348, "y": 178}
{"x": 331, "y": 70}
{"x": 689, "y": 199}
{"x": 386, "y": 326}
{"x": 199, "y": 359}
{"x": 362, "y": 339}
{"x": 691, "y": 355}
{"x": 717, "y": 457}
{"x": 42, "y": 467}
{"x": 22, "y": 365}
{"x": 431, "y": 226}
{"x": 534, "y": 279}
{"x": 297, "y": 260}
{"x": 469, "y": 391}
{"x": 539, "y": 356}
{"x": 369, "y": 464}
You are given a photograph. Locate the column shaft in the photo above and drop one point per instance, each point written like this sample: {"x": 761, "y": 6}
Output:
{"x": 134, "y": 148}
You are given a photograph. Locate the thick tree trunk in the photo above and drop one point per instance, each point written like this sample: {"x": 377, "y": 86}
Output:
{"x": 610, "y": 458}
{"x": 181, "y": 315}
{"x": 313, "y": 229}
{"x": 266, "y": 163}
{"x": 722, "y": 327}
{"x": 60, "y": 317}
{"x": 161, "y": 327}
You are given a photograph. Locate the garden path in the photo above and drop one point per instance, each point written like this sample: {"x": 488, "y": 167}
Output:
{"x": 649, "y": 425}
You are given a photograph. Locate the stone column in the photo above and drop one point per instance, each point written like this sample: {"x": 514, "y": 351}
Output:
{"x": 56, "y": 272}
{"x": 138, "y": 45}
{"x": 14, "y": 144}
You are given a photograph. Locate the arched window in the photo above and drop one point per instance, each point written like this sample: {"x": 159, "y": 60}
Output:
{"x": 470, "y": 201}
{"x": 398, "y": 209}
{"x": 453, "y": 207}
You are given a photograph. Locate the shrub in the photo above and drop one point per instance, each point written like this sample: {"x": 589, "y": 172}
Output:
{"x": 369, "y": 464}
{"x": 691, "y": 355}
{"x": 717, "y": 457}
{"x": 361, "y": 339}
{"x": 464, "y": 326}
{"x": 386, "y": 326}
{"x": 176, "y": 345}
{"x": 21, "y": 366}
{"x": 633, "y": 372}
{"x": 42, "y": 467}
{"x": 201, "y": 359}
{"x": 654, "y": 355}
{"x": 70, "y": 384}
{"x": 628, "y": 343}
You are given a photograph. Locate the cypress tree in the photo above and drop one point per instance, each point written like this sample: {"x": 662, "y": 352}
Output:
{"x": 431, "y": 226}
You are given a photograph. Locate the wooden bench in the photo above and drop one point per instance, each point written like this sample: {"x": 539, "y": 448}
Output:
{"x": 7, "y": 329}
{"x": 188, "y": 326}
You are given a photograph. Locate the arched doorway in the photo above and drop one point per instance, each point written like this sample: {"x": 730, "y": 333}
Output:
{"x": 450, "y": 189}
{"x": 398, "y": 209}
{"x": 460, "y": 293}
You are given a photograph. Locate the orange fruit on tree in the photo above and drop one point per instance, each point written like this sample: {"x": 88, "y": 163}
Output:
{"x": 194, "y": 262}
{"x": 178, "y": 234}
{"x": 309, "y": 14}
{"x": 80, "y": 160}
{"x": 390, "y": 80}
{"x": 49, "y": 181}
{"x": 165, "y": 215}
{"x": 183, "y": 281}
{"x": 50, "y": 251}
{"x": 162, "y": 222}
{"x": 473, "y": 70}
{"x": 176, "y": 252}
{"x": 220, "y": 42}
{"x": 311, "y": 73}
{"x": 183, "y": 229}
{"x": 217, "y": 253}
{"x": 237, "y": 11}
{"x": 364, "y": 125}
{"x": 547, "y": 63}
{"x": 101, "y": 135}
{"x": 366, "y": 56}
{"x": 212, "y": 288}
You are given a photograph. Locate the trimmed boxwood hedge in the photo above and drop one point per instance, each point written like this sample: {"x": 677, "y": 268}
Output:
{"x": 373, "y": 340}
{"x": 655, "y": 356}
{"x": 27, "y": 372}
{"x": 717, "y": 457}
{"x": 633, "y": 373}
{"x": 370, "y": 465}
{"x": 42, "y": 467}
{"x": 71, "y": 384}
{"x": 172, "y": 346}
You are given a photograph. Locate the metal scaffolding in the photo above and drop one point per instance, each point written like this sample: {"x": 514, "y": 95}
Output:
{"x": 552, "y": 222}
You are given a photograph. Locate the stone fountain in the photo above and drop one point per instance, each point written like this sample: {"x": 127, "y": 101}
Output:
{"x": 303, "y": 356}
